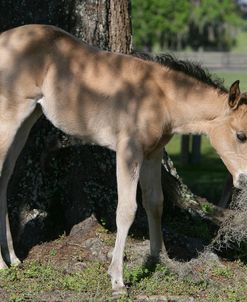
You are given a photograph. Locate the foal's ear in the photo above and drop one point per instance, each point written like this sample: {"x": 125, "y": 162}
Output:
{"x": 234, "y": 95}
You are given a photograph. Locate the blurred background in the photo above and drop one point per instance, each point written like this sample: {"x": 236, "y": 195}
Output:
{"x": 213, "y": 33}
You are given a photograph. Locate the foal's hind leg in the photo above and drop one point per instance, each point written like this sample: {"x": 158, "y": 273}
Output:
{"x": 152, "y": 199}
{"x": 8, "y": 156}
{"x": 129, "y": 158}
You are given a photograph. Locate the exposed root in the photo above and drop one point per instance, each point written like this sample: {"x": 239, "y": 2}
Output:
{"x": 191, "y": 270}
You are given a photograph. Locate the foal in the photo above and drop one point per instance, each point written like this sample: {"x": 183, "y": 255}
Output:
{"x": 124, "y": 103}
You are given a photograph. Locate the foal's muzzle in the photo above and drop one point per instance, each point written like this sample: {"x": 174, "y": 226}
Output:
{"x": 241, "y": 181}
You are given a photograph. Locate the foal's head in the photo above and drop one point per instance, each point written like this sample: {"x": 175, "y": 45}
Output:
{"x": 229, "y": 136}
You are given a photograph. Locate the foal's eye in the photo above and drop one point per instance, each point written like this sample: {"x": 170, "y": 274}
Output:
{"x": 241, "y": 137}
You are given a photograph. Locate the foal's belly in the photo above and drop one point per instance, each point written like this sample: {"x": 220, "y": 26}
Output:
{"x": 89, "y": 128}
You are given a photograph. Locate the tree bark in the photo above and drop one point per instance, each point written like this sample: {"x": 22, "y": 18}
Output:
{"x": 90, "y": 22}
{"x": 120, "y": 26}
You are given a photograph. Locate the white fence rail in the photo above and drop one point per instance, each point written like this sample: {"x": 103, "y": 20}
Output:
{"x": 216, "y": 60}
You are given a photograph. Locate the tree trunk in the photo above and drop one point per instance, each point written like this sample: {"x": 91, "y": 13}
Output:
{"x": 120, "y": 26}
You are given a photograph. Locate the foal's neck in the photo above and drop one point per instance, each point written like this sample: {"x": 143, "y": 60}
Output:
{"x": 194, "y": 107}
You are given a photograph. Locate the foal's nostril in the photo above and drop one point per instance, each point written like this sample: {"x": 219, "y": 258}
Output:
{"x": 242, "y": 180}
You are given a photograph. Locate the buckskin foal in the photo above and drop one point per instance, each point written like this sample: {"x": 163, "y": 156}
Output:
{"x": 124, "y": 103}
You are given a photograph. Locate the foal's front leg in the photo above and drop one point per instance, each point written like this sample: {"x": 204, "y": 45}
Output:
{"x": 129, "y": 159}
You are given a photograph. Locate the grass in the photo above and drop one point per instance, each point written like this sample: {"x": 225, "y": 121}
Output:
{"x": 241, "y": 43}
{"x": 232, "y": 76}
{"x": 34, "y": 280}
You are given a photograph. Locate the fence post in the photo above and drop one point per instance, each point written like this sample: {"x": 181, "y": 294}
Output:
{"x": 185, "y": 143}
{"x": 196, "y": 149}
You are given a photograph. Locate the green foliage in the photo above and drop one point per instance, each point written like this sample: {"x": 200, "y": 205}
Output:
{"x": 207, "y": 208}
{"x": 223, "y": 271}
{"x": 179, "y": 24}
{"x": 156, "y": 22}
{"x": 34, "y": 278}
{"x": 213, "y": 25}
{"x": 53, "y": 252}
{"x": 135, "y": 274}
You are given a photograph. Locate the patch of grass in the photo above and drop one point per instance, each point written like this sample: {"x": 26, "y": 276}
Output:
{"x": 34, "y": 278}
{"x": 232, "y": 76}
{"x": 223, "y": 271}
{"x": 133, "y": 275}
{"x": 103, "y": 234}
{"x": 23, "y": 283}
{"x": 20, "y": 298}
{"x": 73, "y": 282}
{"x": 28, "y": 282}
{"x": 163, "y": 282}
{"x": 35, "y": 270}
{"x": 53, "y": 252}
{"x": 229, "y": 295}
{"x": 241, "y": 42}
{"x": 62, "y": 236}
{"x": 207, "y": 208}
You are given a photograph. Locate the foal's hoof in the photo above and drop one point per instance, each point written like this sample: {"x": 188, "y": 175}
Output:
{"x": 119, "y": 292}
{"x": 12, "y": 260}
{"x": 3, "y": 265}
{"x": 15, "y": 262}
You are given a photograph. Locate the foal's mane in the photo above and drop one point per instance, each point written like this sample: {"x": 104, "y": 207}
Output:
{"x": 189, "y": 68}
